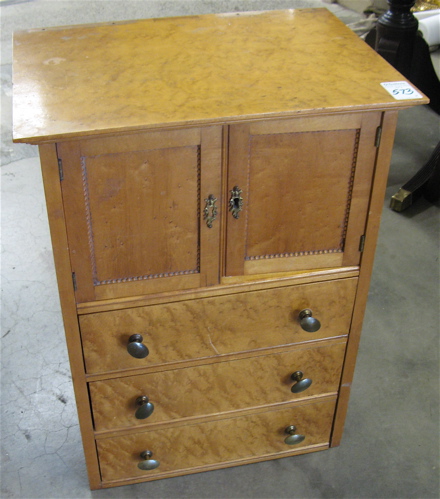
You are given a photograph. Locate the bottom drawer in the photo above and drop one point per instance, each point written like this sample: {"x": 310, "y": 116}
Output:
{"x": 186, "y": 449}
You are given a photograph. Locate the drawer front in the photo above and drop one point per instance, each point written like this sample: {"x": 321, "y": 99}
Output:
{"x": 217, "y": 388}
{"x": 208, "y": 445}
{"x": 210, "y": 327}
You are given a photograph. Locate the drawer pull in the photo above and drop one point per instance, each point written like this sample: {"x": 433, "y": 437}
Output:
{"x": 136, "y": 348}
{"x": 293, "y": 439}
{"x": 301, "y": 384}
{"x": 308, "y": 322}
{"x": 145, "y": 409}
{"x": 148, "y": 463}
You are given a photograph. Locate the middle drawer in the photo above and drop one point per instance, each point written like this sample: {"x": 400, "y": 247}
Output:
{"x": 219, "y": 388}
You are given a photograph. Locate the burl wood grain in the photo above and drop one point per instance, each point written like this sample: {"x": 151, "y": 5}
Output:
{"x": 217, "y": 388}
{"x": 372, "y": 230}
{"x": 55, "y": 212}
{"x": 134, "y": 210}
{"x": 300, "y": 184}
{"x": 133, "y": 75}
{"x": 305, "y": 186}
{"x": 197, "y": 446}
{"x": 212, "y": 327}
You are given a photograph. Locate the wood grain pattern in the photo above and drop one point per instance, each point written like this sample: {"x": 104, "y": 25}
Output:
{"x": 217, "y": 388}
{"x": 305, "y": 186}
{"x": 195, "y": 446}
{"x": 212, "y": 327}
{"x": 299, "y": 192}
{"x": 162, "y": 232}
{"x": 228, "y": 285}
{"x": 389, "y": 122}
{"x": 172, "y": 72}
{"x": 55, "y": 212}
{"x": 362, "y": 181}
{"x": 151, "y": 117}
{"x": 134, "y": 210}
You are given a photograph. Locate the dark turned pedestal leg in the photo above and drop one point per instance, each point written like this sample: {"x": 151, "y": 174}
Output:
{"x": 397, "y": 40}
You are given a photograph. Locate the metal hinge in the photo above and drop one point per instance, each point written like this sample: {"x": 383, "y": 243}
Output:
{"x": 378, "y": 136}
{"x": 60, "y": 169}
{"x": 74, "y": 281}
{"x": 362, "y": 243}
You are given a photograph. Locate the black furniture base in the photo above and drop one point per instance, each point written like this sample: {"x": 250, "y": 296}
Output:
{"x": 397, "y": 40}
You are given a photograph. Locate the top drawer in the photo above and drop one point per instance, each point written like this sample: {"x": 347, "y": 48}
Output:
{"x": 215, "y": 326}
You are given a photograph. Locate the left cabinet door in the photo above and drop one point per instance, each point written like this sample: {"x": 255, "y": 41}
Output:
{"x": 140, "y": 211}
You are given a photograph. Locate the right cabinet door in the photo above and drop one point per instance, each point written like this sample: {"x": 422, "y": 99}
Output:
{"x": 299, "y": 192}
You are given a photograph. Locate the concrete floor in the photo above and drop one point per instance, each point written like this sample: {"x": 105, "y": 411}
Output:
{"x": 390, "y": 447}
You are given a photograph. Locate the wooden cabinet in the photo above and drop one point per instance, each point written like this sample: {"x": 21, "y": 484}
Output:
{"x": 214, "y": 187}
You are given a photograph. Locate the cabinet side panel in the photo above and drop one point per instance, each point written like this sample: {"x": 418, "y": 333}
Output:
{"x": 389, "y": 122}
{"x": 49, "y": 166}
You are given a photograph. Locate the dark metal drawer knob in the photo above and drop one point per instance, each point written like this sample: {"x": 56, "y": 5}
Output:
{"x": 301, "y": 382}
{"x": 136, "y": 348}
{"x": 148, "y": 463}
{"x": 145, "y": 409}
{"x": 293, "y": 438}
{"x": 308, "y": 322}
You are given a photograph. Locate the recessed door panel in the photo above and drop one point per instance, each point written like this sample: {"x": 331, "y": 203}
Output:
{"x": 304, "y": 193}
{"x": 143, "y": 213}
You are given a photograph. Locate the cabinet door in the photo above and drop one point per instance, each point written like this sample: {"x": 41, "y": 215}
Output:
{"x": 135, "y": 211}
{"x": 299, "y": 192}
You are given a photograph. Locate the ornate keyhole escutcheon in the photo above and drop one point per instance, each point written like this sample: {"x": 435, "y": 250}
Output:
{"x": 210, "y": 212}
{"x": 236, "y": 202}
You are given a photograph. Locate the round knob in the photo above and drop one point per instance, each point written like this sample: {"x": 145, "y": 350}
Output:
{"x": 308, "y": 322}
{"x": 293, "y": 439}
{"x": 136, "y": 348}
{"x": 301, "y": 384}
{"x": 145, "y": 408}
{"x": 148, "y": 463}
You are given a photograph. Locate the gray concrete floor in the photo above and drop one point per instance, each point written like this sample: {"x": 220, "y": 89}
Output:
{"x": 390, "y": 447}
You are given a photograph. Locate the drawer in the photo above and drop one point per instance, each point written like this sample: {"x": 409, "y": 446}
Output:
{"x": 217, "y": 388}
{"x": 213, "y": 444}
{"x": 215, "y": 326}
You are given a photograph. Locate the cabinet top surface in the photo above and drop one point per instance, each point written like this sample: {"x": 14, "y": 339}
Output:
{"x": 172, "y": 72}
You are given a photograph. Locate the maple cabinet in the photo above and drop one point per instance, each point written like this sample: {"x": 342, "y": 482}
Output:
{"x": 214, "y": 187}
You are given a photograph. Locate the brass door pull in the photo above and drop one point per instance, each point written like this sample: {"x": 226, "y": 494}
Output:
{"x": 236, "y": 202}
{"x": 148, "y": 463}
{"x": 308, "y": 322}
{"x": 136, "y": 348}
{"x": 293, "y": 439}
{"x": 210, "y": 212}
{"x": 301, "y": 382}
{"x": 145, "y": 408}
